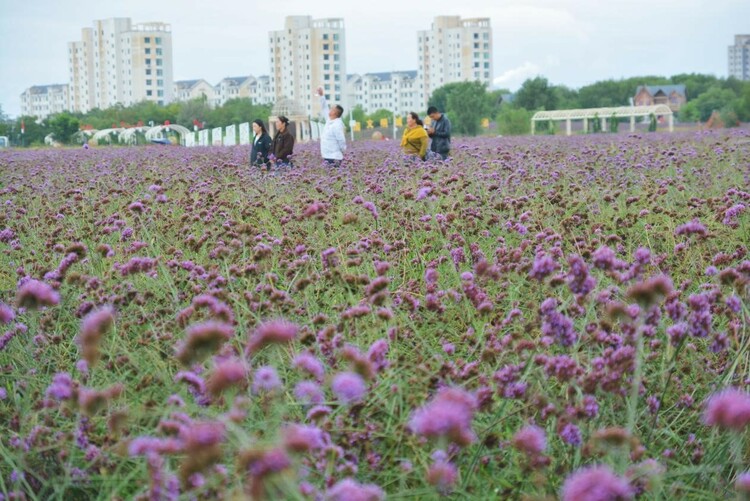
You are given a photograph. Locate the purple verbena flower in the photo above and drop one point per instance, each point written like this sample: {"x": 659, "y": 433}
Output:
{"x": 596, "y": 483}
{"x": 348, "y": 387}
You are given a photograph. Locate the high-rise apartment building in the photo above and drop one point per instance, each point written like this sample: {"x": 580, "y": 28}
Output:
{"x": 396, "y": 92}
{"x": 454, "y": 50}
{"x": 120, "y": 62}
{"x": 739, "y": 57}
{"x": 42, "y": 101}
{"x": 306, "y": 54}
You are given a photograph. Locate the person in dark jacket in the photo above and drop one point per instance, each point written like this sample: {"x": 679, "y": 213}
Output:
{"x": 261, "y": 145}
{"x": 440, "y": 132}
{"x": 283, "y": 143}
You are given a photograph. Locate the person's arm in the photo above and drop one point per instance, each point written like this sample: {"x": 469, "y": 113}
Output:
{"x": 445, "y": 130}
{"x": 286, "y": 146}
{"x": 341, "y": 137}
{"x": 423, "y": 140}
{"x": 323, "y": 105}
{"x": 264, "y": 147}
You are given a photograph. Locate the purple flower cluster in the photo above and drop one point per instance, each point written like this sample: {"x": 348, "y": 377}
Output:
{"x": 448, "y": 415}
{"x": 555, "y": 325}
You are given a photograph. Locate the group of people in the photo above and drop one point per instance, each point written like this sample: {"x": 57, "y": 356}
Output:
{"x": 267, "y": 153}
{"x": 417, "y": 136}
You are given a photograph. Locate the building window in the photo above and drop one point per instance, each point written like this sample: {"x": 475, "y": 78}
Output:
{"x": 148, "y": 60}
{"x": 325, "y": 36}
{"x": 325, "y": 46}
{"x": 160, "y": 83}
{"x": 160, "y": 93}
{"x": 325, "y": 57}
{"x": 159, "y": 73}
{"x": 159, "y": 51}
{"x": 148, "y": 92}
{"x": 148, "y": 81}
{"x": 335, "y": 46}
{"x": 158, "y": 62}
{"x": 148, "y": 51}
{"x": 147, "y": 40}
{"x": 157, "y": 40}
{"x": 326, "y": 67}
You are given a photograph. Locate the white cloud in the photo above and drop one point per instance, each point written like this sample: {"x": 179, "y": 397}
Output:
{"x": 513, "y": 78}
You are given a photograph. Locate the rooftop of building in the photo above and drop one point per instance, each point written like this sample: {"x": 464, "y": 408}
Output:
{"x": 44, "y": 89}
{"x": 384, "y": 76}
{"x": 665, "y": 89}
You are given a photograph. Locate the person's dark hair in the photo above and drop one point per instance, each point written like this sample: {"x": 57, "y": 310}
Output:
{"x": 259, "y": 123}
{"x": 431, "y": 110}
{"x": 283, "y": 119}
{"x": 340, "y": 109}
{"x": 416, "y": 118}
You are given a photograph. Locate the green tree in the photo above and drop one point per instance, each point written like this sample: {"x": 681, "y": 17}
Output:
{"x": 695, "y": 83}
{"x": 379, "y": 114}
{"x": 468, "y": 103}
{"x": 565, "y": 97}
{"x": 536, "y": 94}
{"x": 358, "y": 114}
{"x": 5, "y": 123}
{"x": 614, "y": 123}
{"x": 63, "y": 126}
{"x": 612, "y": 93}
{"x": 714, "y": 99}
{"x": 742, "y": 106}
{"x": 512, "y": 121}
{"x": 194, "y": 109}
{"x": 35, "y": 131}
{"x": 495, "y": 99}
{"x": 689, "y": 112}
{"x": 439, "y": 97}
{"x": 596, "y": 124}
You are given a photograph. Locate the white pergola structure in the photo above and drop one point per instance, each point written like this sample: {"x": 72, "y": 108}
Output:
{"x": 156, "y": 132}
{"x": 128, "y": 136}
{"x": 603, "y": 114}
{"x": 296, "y": 114}
{"x": 83, "y": 136}
{"x": 105, "y": 133}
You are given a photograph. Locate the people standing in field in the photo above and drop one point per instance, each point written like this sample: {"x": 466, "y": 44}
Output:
{"x": 283, "y": 143}
{"x": 414, "y": 141}
{"x": 440, "y": 132}
{"x": 261, "y": 145}
{"x": 332, "y": 139}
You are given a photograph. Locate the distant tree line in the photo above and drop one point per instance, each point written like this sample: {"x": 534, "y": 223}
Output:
{"x": 466, "y": 104}
{"x": 197, "y": 111}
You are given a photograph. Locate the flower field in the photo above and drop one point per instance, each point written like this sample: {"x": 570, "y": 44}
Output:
{"x": 539, "y": 318}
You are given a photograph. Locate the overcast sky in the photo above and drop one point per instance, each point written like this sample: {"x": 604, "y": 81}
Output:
{"x": 571, "y": 42}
